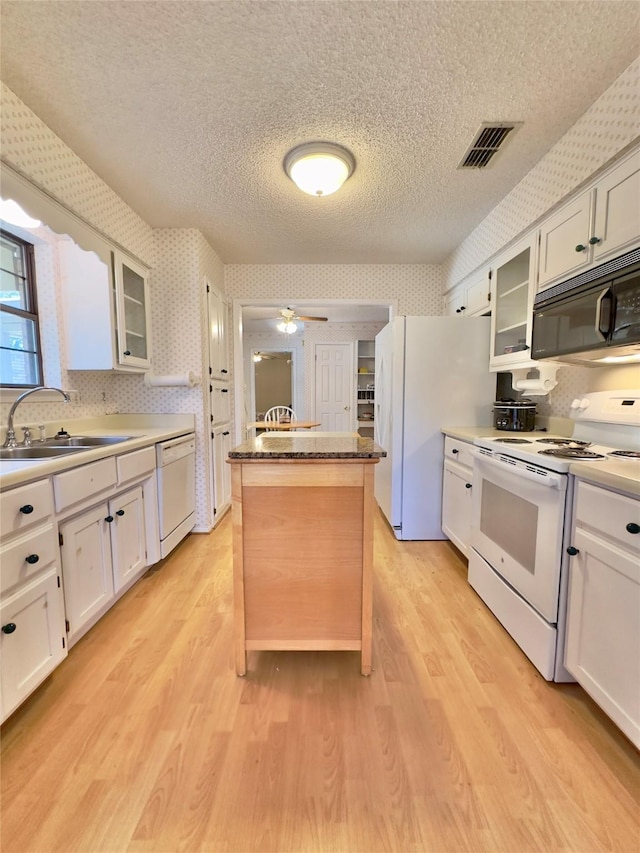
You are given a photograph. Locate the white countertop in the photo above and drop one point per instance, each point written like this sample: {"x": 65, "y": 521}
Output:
{"x": 144, "y": 430}
{"x": 623, "y": 475}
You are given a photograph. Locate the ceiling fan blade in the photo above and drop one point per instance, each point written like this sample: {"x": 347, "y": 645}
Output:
{"x": 312, "y": 319}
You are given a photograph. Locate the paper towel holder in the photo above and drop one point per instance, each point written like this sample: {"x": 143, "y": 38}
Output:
{"x": 537, "y": 386}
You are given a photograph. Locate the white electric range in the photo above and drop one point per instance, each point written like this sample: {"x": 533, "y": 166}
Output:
{"x": 521, "y": 518}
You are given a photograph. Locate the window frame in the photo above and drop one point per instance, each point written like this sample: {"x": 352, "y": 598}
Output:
{"x": 31, "y": 292}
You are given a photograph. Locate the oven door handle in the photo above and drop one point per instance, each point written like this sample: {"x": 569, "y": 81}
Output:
{"x": 522, "y": 469}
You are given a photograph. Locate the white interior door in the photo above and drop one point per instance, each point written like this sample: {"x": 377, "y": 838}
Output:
{"x": 335, "y": 386}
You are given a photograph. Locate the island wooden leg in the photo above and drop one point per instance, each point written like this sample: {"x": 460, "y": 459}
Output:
{"x": 367, "y": 570}
{"x": 238, "y": 572}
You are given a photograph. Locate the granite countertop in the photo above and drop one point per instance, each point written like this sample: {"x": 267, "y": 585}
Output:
{"x": 308, "y": 446}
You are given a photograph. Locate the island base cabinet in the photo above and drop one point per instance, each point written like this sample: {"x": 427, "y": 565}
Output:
{"x": 32, "y": 641}
{"x": 603, "y": 629}
{"x": 303, "y": 549}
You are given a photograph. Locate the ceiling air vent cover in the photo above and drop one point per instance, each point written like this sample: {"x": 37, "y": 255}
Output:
{"x": 487, "y": 142}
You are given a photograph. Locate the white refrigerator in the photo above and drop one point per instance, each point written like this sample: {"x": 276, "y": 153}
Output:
{"x": 430, "y": 372}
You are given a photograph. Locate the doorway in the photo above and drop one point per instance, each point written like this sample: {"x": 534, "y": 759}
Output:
{"x": 272, "y": 380}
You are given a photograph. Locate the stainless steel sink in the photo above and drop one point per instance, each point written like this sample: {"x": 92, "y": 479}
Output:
{"x": 53, "y": 447}
{"x": 84, "y": 441}
{"x": 41, "y": 452}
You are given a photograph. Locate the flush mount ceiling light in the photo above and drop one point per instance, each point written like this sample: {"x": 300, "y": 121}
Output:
{"x": 319, "y": 168}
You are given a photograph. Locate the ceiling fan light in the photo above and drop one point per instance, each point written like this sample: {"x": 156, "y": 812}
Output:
{"x": 319, "y": 168}
{"x": 287, "y": 327}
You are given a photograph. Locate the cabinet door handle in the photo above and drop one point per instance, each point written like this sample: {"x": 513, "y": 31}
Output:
{"x": 455, "y": 451}
{"x": 119, "y": 512}
{"x": 27, "y": 509}
{"x": 224, "y": 390}
{"x": 593, "y": 241}
{"x": 127, "y": 352}
{"x": 9, "y": 628}
{"x": 468, "y": 485}
{"x": 581, "y": 248}
{"x": 109, "y": 519}
{"x": 32, "y": 558}
{"x": 571, "y": 551}
{"x": 224, "y": 370}
{"x": 226, "y": 432}
{"x": 632, "y": 527}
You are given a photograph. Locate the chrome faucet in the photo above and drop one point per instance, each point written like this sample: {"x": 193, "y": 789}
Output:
{"x": 10, "y": 439}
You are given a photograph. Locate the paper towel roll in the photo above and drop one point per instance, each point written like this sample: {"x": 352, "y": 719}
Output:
{"x": 188, "y": 380}
{"x": 534, "y": 386}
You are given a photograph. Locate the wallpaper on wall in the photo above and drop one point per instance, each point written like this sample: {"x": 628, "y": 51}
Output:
{"x": 34, "y": 150}
{"x": 416, "y": 287}
{"x": 607, "y": 127}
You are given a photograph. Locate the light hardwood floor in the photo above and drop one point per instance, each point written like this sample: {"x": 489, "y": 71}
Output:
{"x": 146, "y": 740}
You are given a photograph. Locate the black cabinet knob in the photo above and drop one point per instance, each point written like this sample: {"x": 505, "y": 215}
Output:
{"x": 32, "y": 558}
{"x": 468, "y": 485}
{"x": 119, "y": 512}
{"x": 27, "y": 509}
{"x": 571, "y": 551}
{"x": 224, "y": 370}
{"x": 593, "y": 241}
{"x": 454, "y": 451}
{"x": 224, "y": 390}
{"x": 127, "y": 352}
{"x": 226, "y": 432}
{"x": 109, "y": 519}
{"x": 632, "y": 527}
{"x": 9, "y": 628}
{"x": 580, "y": 248}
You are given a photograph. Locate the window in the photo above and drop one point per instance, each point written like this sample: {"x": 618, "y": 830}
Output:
{"x": 20, "y": 352}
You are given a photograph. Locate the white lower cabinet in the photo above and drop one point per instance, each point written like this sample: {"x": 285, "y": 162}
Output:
{"x": 603, "y": 610}
{"x": 32, "y": 635}
{"x": 220, "y": 446}
{"x": 456, "y": 493}
{"x": 103, "y": 549}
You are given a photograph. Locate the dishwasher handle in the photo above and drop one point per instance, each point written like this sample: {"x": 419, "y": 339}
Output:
{"x": 174, "y": 449}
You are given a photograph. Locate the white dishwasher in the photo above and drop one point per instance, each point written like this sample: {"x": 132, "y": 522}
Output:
{"x": 176, "y": 490}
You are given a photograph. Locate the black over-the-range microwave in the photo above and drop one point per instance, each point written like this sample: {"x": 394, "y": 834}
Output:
{"x": 592, "y": 318}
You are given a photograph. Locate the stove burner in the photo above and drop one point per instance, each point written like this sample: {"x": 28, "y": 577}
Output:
{"x": 571, "y": 453}
{"x": 558, "y": 441}
{"x": 513, "y": 440}
{"x": 626, "y": 454}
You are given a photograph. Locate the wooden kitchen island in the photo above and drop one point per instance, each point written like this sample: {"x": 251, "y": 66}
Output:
{"x": 303, "y": 544}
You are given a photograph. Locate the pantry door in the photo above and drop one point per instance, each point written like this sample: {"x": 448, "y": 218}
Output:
{"x": 335, "y": 385}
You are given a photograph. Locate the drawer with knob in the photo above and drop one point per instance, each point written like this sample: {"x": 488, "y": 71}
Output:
{"x": 615, "y": 517}
{"x": 26, "y": 556}
{"x": 25, "y": 506}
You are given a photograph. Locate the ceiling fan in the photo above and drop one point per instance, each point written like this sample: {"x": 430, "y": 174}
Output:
{"x": 287, "y": 317}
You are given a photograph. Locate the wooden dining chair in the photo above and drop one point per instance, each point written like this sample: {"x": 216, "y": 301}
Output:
{"x": 279, "y": 414}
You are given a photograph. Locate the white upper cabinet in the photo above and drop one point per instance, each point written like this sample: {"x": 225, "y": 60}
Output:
{"x": 512, "y": 306}
{"x": 131, "y": 291}
{"x": 106, "y": 311}
{"x": 218, "y": 349}
{"x": 601, "y": 222}
{"x": 472, "y": 297}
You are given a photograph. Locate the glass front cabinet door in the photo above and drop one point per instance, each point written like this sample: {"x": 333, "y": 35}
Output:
{"x": 512, "y": 300}
{"x": 131, "y": 291}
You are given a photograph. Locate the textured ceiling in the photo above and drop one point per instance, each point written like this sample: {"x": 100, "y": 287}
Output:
{"x": 186, "y": 109}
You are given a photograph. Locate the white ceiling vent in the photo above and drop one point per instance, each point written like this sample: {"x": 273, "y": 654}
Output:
{"x": 487, "y": 142}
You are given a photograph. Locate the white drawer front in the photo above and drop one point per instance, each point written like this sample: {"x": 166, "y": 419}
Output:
{"x": 27, "y": 556}
{"x": 25, "y": 506}
{"x": 608, "y": 513}
{"x": 459, "y": 451}
{"x": 84, "y": 482}
{"x": 136, "y": 464}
